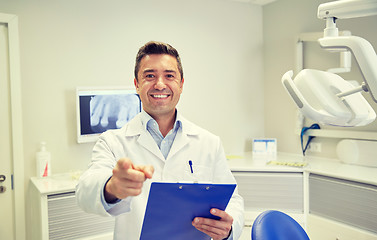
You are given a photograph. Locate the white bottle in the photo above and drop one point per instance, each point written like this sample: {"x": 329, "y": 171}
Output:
{"x": 43, "y": 158}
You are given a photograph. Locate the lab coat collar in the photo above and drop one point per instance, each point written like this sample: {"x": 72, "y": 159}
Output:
{"x": 148, "y": 122}
{"x": 136, "y": 128}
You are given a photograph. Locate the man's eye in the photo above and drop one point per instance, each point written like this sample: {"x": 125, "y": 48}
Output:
{"x": 170, "y": 76}
{"x": 149, "y": 76}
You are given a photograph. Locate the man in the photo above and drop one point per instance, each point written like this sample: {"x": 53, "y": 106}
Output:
{"x": 156, "y": 145}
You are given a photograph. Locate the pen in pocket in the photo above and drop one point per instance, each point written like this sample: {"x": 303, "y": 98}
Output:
{"x": 190, "y": 163}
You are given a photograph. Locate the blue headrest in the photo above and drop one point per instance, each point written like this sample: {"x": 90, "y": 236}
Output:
{"x": 276, "y": 225}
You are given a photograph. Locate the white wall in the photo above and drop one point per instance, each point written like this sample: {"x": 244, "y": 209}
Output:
{"x": 65, "y": 44}
{"x": 283, "y": 21}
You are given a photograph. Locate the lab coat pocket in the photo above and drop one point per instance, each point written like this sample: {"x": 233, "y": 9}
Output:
{"x": 199, "y": 173}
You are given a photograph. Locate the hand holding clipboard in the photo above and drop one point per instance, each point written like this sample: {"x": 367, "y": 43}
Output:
{"x": 217, "y": 229}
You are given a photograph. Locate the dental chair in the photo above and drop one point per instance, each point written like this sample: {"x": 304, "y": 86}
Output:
{"x": 276, "y": 225}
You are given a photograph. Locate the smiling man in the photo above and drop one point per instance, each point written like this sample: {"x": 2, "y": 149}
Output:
{"x": 156, "y": 145}
{"x": 159, "y": 84}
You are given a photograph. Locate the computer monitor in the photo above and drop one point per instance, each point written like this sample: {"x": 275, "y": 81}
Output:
{"x": 101, "y": 108}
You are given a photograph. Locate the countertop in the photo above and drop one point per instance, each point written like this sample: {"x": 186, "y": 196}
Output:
{"x": 284, "y": 162}
{"x": 324, "y": 166}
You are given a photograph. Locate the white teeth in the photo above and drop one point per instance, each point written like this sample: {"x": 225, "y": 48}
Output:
{"x": 159, "y": 96}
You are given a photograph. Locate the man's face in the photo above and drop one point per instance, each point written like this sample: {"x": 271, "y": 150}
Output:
{"x": 159, "y": 84}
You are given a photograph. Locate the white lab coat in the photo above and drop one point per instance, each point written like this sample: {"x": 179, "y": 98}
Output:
{"x": 134, "y": 142}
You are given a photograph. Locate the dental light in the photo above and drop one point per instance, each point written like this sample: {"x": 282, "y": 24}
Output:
{"x": 326, "y": 97}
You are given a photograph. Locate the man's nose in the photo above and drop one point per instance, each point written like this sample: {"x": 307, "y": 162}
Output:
{"x": 160, "y": 84}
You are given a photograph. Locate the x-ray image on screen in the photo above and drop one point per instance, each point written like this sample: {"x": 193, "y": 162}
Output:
{"x": 102, "y": 110}
{"x": 112, "y": 111}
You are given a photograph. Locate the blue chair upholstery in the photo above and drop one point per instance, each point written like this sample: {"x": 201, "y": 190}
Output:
{"x": 276, "y": 225}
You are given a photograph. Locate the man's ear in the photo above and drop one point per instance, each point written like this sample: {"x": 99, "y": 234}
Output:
{"x": 136, "y": 83}
{"x": 182, "y": 81}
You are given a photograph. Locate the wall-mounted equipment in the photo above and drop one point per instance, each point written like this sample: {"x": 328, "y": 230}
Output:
{"x": 326, "y": 97}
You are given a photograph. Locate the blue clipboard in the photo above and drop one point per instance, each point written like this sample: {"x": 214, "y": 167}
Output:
{"x": 171, "y": 208}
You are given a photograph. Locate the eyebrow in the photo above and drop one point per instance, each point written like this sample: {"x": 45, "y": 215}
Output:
{"x": 148, "y": 70}
{"x": 170, "y": 71}
{"x": 152, "y": 70}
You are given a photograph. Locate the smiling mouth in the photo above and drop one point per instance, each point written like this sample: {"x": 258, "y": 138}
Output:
{"x": 160, "y": 96}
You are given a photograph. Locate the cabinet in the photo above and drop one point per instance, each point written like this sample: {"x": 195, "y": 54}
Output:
{"x": 331, "y": 200}
{"x": 55, "y": 214}
{"x": 271, "y": 190}
{"x": 341, "y": 208}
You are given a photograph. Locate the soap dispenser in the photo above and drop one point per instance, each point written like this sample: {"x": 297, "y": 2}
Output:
{"x": 43, "y": 158}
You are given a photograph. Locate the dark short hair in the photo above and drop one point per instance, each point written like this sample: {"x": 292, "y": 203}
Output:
{"x": 154, "y": 47}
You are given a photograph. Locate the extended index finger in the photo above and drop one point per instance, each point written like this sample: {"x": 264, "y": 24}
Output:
{"x": 125, "y": 169}
{"x": 148, "y": 170}
{"x": 124, "y": 164}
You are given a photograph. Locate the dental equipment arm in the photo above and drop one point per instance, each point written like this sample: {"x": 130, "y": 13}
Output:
{"x": 326, "y": 97}
{"x": 347, "y": 9}
{"x": 362, "y": 50}
{"x": 364, "y": 54}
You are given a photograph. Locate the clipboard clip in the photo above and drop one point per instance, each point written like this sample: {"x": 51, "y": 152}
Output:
{"x": 181, "y": 186}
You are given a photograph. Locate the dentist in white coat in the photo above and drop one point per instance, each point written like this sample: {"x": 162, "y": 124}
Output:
{"x": 156, "y": 145}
